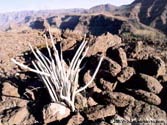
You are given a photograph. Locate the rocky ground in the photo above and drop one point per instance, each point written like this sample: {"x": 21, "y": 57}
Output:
{"x": 130, "y": 86}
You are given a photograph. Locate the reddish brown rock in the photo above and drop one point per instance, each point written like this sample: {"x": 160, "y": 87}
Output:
{"x": 100, "y": 111}
{"x": 123, "y": 59}
{"x": 159, "y": 66}
{"x": 107, "y": 86}
{"x": 163, "y": 78}
{"x": 91, "y": 102}
{"x": 80, "y": 102}
{"x": 11, "y": 102}
{"x": 125, "y": 74}
{"x": 76, "y": 119}
{"x": 147, "y": 97}
{"x": 55, "y": 112}
{"x": 95, "y": 89}
{"x": 118, "y": 55}
{"x": 9, "y": 90}
{"x": 17, "y": 116}
{"x": 103, "y": 42}
{"x": 152, "y": 65}
{"x": 151, "y": 83}
{"x": 68, "y": 44}
{"x": 110, "y": 66}
{"x": 143, "y": 111}
{"x": 118, "y": 99}
{"x": 137, "y": 48}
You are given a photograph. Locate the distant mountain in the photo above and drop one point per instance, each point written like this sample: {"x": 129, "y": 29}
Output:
{"x": 149, "y": 12}
{"x": 102, "y": 8}
{"x": 138, "y": 18}
{"x": 26, "y": 17}
{"x": 8, "y": 20}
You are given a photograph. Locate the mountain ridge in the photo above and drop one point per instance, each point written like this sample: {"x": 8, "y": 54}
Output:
{"x": 137, "y": 17}
{"x": 149, "y": 12}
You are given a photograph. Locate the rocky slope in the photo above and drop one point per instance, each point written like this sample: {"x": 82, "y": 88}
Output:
{"x": 130, "y": 85}
{"x": 150, "y": 12}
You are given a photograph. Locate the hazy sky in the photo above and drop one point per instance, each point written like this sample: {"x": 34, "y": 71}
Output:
{"x": 17, "y": 5}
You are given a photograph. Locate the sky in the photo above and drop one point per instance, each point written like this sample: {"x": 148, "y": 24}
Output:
{"x": 19, "y": 5}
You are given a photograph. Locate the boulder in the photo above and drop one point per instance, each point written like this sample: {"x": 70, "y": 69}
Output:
{"x": 17, "y": 116}
{"x": 118, "y": 55}
{"x": 137, "y": 48}
{"x": 119, "y": 99}
{"x": 153, "y": 65}
{"x": 100, "y": 111}
{"x": 91, "y": 102}
{"x": 9, "y": 90}
{"x": 11, "y": 102}
{"x": 151, "y": 84}
{"x": 125, "y": 74}
{"x": 102, "y": 43}
{"x": 76, "y": 119}
{"x": 55, "y": 112}
{"x": 106, "y": 85}
{"x": 110, "y": 66}
{"x": 140, "y": 111}
{"x": 148, "y": 97}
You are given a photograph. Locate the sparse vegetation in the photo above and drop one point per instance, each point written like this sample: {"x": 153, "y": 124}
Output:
{"x": 60, "y": 80}
{"x": 130, "y": 85}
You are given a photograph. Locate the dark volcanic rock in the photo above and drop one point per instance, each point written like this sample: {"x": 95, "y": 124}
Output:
{"x": 117, "y": 98}
{"x": 106, "y": 85}
{"x": 125, "y": 74}
{"x": 11, "y": 102}
{"x": 100, "y": 111}
{"x": 76, "y": 119}
{"x": 151, "y": 83}
{"x": 118, "y": 55}
{"x": 103, "y": 42}
{"x": 143, "y": 111}
{"x": 147, "y": 97}
{"x": 136, "y": 49}
{"x": 9, "y": 90}
{"x": 152, "y": 65}
{"x": 111, "y": 66}
{"x": 17, "y": 115}
{"x": 163, "y": 78}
